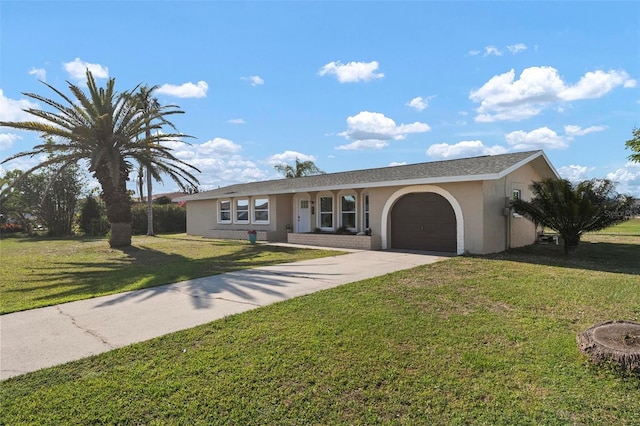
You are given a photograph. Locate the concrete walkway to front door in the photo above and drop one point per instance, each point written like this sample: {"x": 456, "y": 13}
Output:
{"x": 44, "y": 337}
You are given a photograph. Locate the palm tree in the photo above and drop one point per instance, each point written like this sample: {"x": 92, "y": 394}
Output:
{"x": 573, "y": 209}
{"x": 148, "y": 105}
{"x": 108, "y": 130}
{"x": 302, "y": 168}
{"x": 634, "y": 145}
{"x": 140, "y": 182}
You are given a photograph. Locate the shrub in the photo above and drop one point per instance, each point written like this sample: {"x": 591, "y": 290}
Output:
{"x": 92, "y": 219}
{"x": 167, "y": 218}
{"x": 162, "y": 200}
{"x": 10, "y": 228}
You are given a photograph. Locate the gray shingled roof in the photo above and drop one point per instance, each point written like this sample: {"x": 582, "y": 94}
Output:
{"x": 464, "y": 169}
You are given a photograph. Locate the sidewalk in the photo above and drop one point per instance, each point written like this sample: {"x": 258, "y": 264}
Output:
{"x": 44, "y": 337}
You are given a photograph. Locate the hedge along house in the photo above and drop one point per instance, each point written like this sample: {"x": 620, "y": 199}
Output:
{"x": 452, "y": 206}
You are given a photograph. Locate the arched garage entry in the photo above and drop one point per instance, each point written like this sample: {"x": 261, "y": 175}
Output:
{"x": 423, "y": 218}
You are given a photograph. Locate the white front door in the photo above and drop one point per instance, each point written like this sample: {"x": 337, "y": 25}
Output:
{"x": 304, "y": 216}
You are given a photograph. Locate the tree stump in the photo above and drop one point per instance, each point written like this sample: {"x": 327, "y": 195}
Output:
{"x": 615, "y": 341}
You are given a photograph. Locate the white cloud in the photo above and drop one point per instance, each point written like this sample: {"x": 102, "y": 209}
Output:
{"x": 495, "y": 51}
{"x": 217, "y": 172}
{"x": 218, "y": 147}
{"x": 176, "y": 143}
{"x": 463, "y": 149}
{"x": 574, "y": 172}
{"x": 397, "y": 163}
{"x": 516, "y": 48}
{"x": 220, "y": 163}
{"x": 24, "y": 163}
{"x": 351, "y": 72}
{"x": 572, "y": 130}
{"x": 505, "y": 98}
{"x": 289, "y": 156}
{"x": 419, "y": 103}
{"x": 627, "y": 179}
{"x": 186, "y": 90}
{"x": 542, "y": 138}
{"x": 40, "y": 73}
{"x": 492, "y": 50}
{"x": 363, "y": 144}
{"x": 236, "y": 121}
{"x": 77, "y": 69}
{"x": 7, "y": 140}
{"x": 371, "y": 130}
{"x": 12, "y": 110}
{"x": 597, "y": 84}
{"x": 255, "y": 80}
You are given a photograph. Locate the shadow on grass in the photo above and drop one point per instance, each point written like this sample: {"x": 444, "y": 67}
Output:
{"x": 24, "y": 238}
{"x": 616, "y": 257}
{"x": 146, "y": 268}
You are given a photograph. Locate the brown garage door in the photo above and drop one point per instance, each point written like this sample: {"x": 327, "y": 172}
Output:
{"x": 423, "y": 221}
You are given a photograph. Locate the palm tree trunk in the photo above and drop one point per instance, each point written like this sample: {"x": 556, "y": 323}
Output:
{"x": 149, "y": 205}
{"x": 149, "y": 193}
{"x": 118, "y": 206}
{"x": 140, "y": 184}
{"x": 571, "y": 245}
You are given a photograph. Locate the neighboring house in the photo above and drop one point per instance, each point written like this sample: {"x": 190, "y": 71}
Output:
{"x": 170, "y": 195}
{"x": 455, "y": 206}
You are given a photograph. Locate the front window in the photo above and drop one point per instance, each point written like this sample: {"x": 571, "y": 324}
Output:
{"x": 242, "y": 211}
{"x": 348, "y": 211}
{"x": 326, "y": 212}
{"x": 366, "y": 211}
{"x": 516, "y": 194}
{"x": 260, "y": 210}
{"x": 224, "y": 211}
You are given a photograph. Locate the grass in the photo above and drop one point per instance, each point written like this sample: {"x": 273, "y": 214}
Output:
{"x": 630, "y": 227}
{"x": 471, "y": 340}
{"x": 40, "y": 272}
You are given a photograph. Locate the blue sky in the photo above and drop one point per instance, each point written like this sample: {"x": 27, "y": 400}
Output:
{"x": 349, "y": 85}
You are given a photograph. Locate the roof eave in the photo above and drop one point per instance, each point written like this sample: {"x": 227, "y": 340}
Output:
{"x": 383, "y": 184}
{"x": 529, "y": 159}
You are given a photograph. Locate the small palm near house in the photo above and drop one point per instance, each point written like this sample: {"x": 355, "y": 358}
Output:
{"x": 575, "y": 209}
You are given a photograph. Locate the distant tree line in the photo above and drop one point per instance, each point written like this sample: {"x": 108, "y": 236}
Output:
{"x": 56, "y": 203}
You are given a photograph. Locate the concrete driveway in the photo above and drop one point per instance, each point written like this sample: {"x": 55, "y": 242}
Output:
{"x": 44, "y": 337}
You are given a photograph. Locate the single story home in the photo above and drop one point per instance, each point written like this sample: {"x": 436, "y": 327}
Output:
{"x": 452, "y": 206}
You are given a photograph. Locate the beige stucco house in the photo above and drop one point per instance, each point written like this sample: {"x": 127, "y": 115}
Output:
{"x": 455, "y": 206}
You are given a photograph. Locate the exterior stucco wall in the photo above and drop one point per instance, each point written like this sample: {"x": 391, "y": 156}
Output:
{"x": 494, "y": 221}
{"x": 507, "y": 231}
{"x": 469, "y": 195}
{"x": 282, "y": 214}
{"x": 522, "y": 230}
{"x": 201, "y": 216}
{"x": 202, "y": 219}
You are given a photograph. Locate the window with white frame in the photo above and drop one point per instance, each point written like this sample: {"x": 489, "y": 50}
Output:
{"x": 516, "y": 194}
{"x": 260, "y": 210}
{"x": 348, "y": 211}
{"x": 326, "y": 212}
{"x": 224, "y": 211}
{"x": 365, "y": 215}
{"x": 242, "y": 211}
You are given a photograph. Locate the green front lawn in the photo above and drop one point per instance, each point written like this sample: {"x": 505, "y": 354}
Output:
{"x": 471, "y": 340}
{"x": 42, "y": 272}
{"x": 630, "y": 227}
